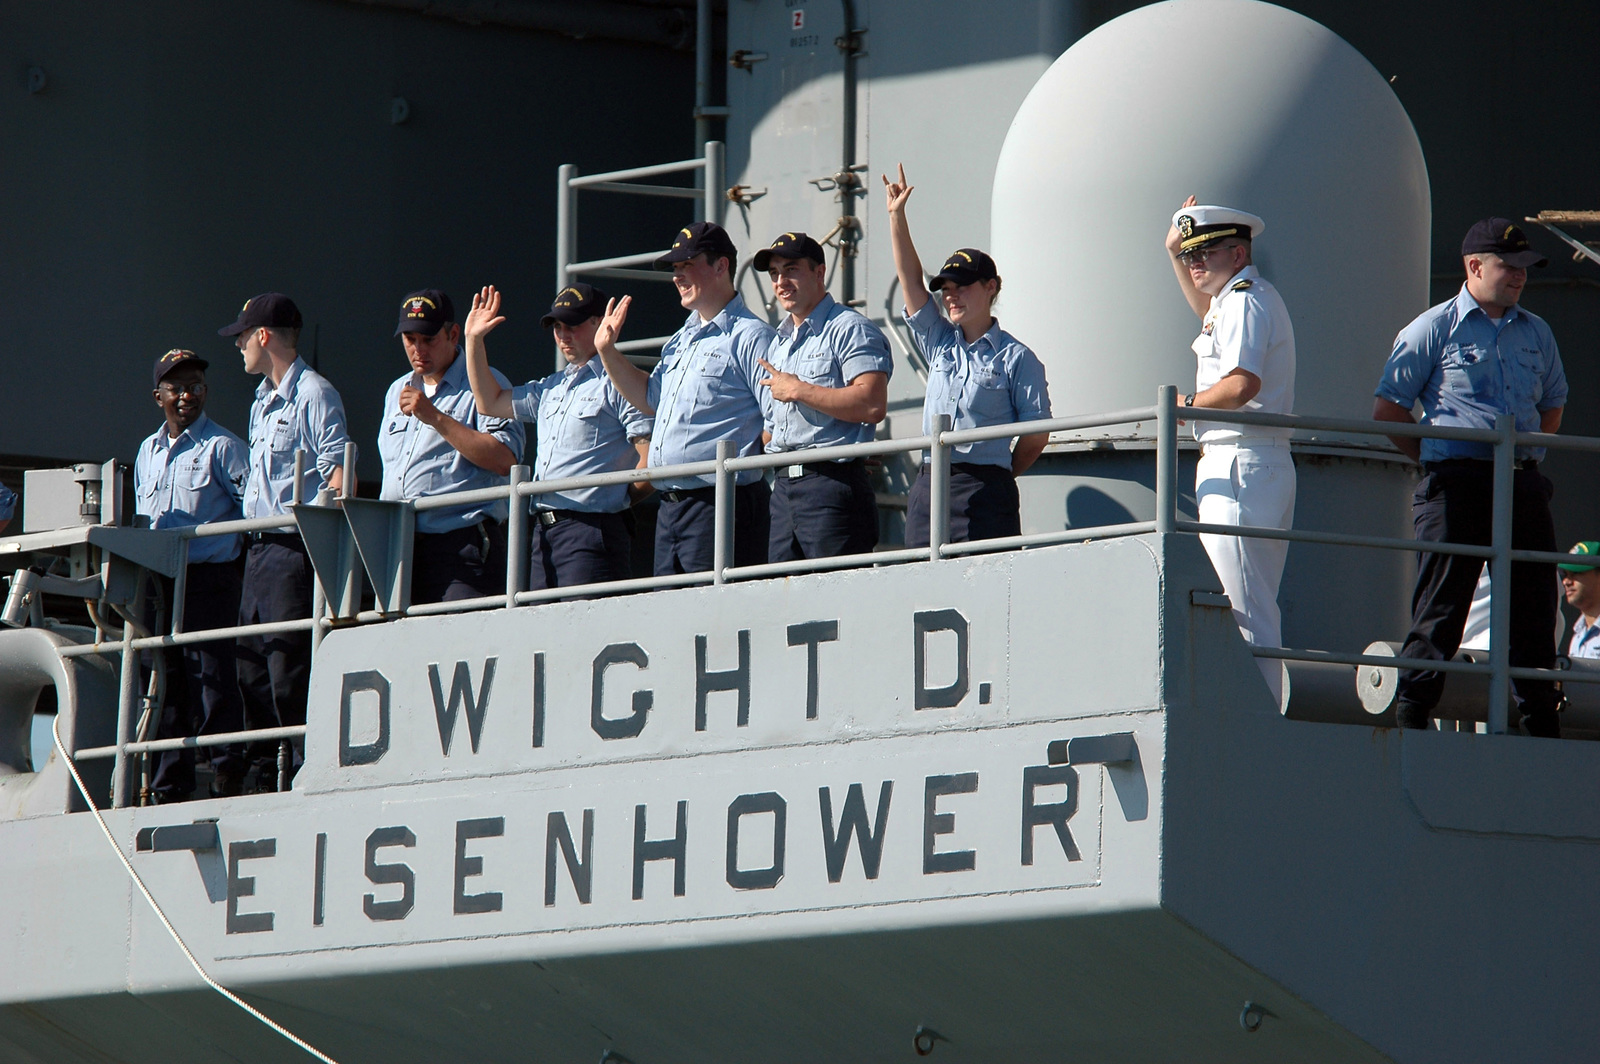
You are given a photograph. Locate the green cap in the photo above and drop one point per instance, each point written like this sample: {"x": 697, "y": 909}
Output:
{"x": 1588, "y": 546}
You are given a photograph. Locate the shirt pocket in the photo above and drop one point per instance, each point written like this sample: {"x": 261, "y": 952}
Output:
{"x": 709, "y": 379}
{"x": 1530, "y": 375}
{"x": 821, "y": 371}
{"x": 282, "y": 441}
{"x": 584, "y": 424}
{"x": 1469, "y": 370}
{"x": 193, "y": 475}
{"x": 989, "y": 394}
{"x": 392, "y": 439}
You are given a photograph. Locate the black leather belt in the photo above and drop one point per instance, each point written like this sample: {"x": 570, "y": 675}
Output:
{"x": 282, "y": 539}
{"x": 1476, "y": 465}
{"x": 825, "y": 469}
{"x": 688, "y": 494}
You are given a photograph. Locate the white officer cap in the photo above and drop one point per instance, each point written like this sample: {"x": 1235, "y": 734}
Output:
{"x": 1200, "y": 225}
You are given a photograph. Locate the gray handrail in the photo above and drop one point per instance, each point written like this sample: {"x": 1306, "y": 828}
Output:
{"x": 721, "y": 473}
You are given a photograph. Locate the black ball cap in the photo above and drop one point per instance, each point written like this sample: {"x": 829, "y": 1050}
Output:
{"x": 270, "y": 310}
{"x": 175, "y": 358}
{"x": 1505, "y": 238}
{"x": 701, "y": 237}
{"x": 963, "y": 267}
{"x": 789, "y": 246}
{"x": 576, "y": 304}
{"x": 425, "y": 312}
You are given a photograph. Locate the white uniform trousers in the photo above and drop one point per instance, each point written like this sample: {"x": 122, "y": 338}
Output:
{"x": 1249, "y": 482}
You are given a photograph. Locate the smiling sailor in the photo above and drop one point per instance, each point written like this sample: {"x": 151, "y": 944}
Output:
{"x": 191, "y": 471}
{"x": 978, "y": 374}
{"x": 1246, "y": 361}
{"x": 829, "y": 386}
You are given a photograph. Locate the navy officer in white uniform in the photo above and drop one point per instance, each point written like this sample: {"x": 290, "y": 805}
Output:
{"x": 191, "y": 471}
{"x": 829, "y": 385}
{"x": 1246, "y": 361}
{"x": 295, "y": 408}
{"x": 583, "y": 426}
{"x": 706, "y": 388}
{"x": 435, "y": 440}
{"x": 978, "y": 373}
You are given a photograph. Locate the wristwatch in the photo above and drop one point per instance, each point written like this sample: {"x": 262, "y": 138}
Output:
{"x": 1188, "y": 400}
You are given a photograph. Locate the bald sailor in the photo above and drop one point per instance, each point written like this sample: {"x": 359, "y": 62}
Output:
{"x": 1246, "y": 362}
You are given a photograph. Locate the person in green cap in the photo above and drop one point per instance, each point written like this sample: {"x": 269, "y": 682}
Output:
{"x": 1580, "y": 582}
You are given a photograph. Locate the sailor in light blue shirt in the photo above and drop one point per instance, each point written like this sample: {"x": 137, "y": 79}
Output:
{"x": 8, "y": 506}
{"x": 828, "y": 386}
{"x": 706, "y": 388}
{"x": 194, "y": 478}
{"x": 419, "y": 461}
{"x": 583, "y": 427}
{"x": 978, "y": 374}
{"x": 294, "y": 409}
{"x": 1466, "y": 361}
{"x": 993, "y": 380}
{"x": 189, "y": 472}
{"x": 434, "y": 440}
{"x": 298, "y": 411}
{"x": 1465, "y": 368}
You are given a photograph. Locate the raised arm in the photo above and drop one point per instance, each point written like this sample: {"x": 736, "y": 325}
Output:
{"x": 907, "y": 266}
{"x": 631, "y": 381}
{"x": 492, "y": 399}
{"x": 1198, "y": 301}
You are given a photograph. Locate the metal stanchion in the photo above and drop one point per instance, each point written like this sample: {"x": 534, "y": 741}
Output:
{"x": 1167, "y": 458}
{"x": 1505, "y": 456}
{"x": 938, "y": 489}
{"x": 516, "y": 536}
{"x": 722, "y": 538}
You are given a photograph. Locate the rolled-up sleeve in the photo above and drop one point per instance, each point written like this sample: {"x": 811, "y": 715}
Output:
{"x": 1030, "y": 389}
{"x": 865, "y": 350}
{"x": 508, "y": 430}
{"x": 1555, "y": 376}
{"x": 1410, "y": 367}
{"x": 329, "y": 431}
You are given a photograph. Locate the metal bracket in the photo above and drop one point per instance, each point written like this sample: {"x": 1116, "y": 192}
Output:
{"x": 1118, "y": 748}
{"x": 1213, "y": 599}
{"x": 745, "y": 59}
{"x": 198, "y": 837}
{"x": 383, "y": 533}
{"x": 331, "y": 547}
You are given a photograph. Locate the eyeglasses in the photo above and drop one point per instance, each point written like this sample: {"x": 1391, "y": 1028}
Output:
{"x": 1198, "y": 255}
{"x": 193, "y": 388}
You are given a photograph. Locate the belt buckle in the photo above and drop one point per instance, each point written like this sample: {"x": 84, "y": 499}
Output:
{"x": 548, "y": 518}
{"x": 794, "y": 471}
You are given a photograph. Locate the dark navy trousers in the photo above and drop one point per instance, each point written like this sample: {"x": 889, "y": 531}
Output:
{"x": 1452, "y": 505}
{"x": 827, "y": 511}
{"x": 202, "y": 681}
{"x": 686, "y": 526}
{"x": 275, "y": 670}
{"x": 578, "y": 548}
{"x": 983, "y": 504}
{"x": 463, "y": 563}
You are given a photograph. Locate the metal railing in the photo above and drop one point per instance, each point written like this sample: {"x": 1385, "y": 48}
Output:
{"x": 709, "y": 197}
{"x": 722, "y": 473}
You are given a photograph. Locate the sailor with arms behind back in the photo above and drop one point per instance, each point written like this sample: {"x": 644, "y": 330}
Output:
{"x": 1466, "y": 361}
{"x": 1245, "y": 354}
